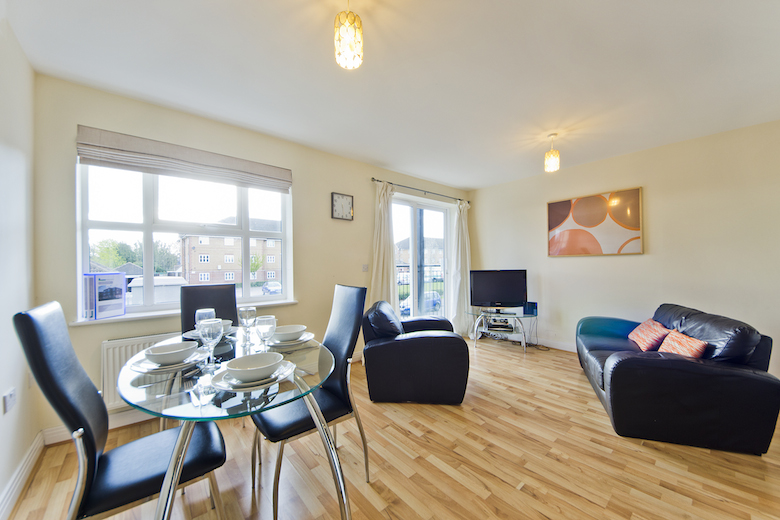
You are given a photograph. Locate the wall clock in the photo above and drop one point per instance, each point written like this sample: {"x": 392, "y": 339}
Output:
{"x": 341, "y": 206}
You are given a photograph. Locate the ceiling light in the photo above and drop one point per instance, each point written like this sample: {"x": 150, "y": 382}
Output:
{"x": 552, "y": 159}
{"x": 348, "y": 39}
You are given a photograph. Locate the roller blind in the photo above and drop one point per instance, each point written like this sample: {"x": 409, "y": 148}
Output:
{"x": 104, "y": 148}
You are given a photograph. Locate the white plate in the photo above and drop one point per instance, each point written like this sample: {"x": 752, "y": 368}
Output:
{"x": 306, "y": 336}
{"x": 194, "y": 334}
{"x": 224, "y": 381}
{"x": 146, "y": 366}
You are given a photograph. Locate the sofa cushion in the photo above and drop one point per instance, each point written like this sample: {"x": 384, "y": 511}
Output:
{"x": 678, "y": 343}
{"x": 728, "y": 340}
{"x": 586, "y": 342}
{"x": 383, "y": 320}
{"x": 649, "y": 335}
{"x": 593, "y": 364}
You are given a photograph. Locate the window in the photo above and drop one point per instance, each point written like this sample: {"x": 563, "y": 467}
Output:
{"x": 420, "y": 234}
{"x": 270, "y": 275}
{"x": 161, "y": 221}
{"x": 270, "y": 243}
{"x": 270, "y": 259}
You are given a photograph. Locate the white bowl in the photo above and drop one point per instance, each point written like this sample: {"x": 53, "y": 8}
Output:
{"x": 226, "y": 324}
{"x": 254, "y": 367}
{"x": 170, "y": 353}
{"x": 289, "y": 332}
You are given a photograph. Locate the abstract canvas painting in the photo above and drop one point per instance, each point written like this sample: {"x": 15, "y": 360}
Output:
{"x": 602, "y": 224}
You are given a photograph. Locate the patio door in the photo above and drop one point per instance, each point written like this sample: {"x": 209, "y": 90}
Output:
{"x": 420, "y": 235}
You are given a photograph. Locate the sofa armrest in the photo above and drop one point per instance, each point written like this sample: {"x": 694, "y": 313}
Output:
{"x": 426, "y": 323}
{"x": 673, "y": 398}
{"x": 609, "y": 327}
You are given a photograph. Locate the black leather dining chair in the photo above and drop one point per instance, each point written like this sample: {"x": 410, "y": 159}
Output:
{"x": 334, "y": 397}
{"x": 220, "y": 297}
{"x": 128, "y": 475}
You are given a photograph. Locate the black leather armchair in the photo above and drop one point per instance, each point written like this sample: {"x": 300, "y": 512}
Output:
{"x": 419, "y": 360}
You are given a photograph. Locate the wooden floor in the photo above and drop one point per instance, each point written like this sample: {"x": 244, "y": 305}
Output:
{"x": 531, "y": 440}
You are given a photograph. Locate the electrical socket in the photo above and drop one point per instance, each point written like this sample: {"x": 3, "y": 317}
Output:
{"x": 9, "y": 400}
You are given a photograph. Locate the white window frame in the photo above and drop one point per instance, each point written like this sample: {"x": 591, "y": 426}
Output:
{"x": 270, "y": 275}
{"x": 230, "y": 259}
{"x": 203, "y": 241}
{"x": 203, "y": 258}
{"x": 270, "y": 259}
{"x": 230, "y": 276}
{"x": 151, "y": 225}
{"x": 204, "y": 277}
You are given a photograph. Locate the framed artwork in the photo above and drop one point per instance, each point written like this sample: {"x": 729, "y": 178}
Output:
{"x": 602, "y": 224}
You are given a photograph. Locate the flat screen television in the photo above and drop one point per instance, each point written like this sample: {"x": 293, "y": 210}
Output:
{"x": 499, "y": 289}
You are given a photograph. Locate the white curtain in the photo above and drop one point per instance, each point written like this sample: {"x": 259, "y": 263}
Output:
{"x": 383, "y": 279}
{"x": 462, "y": 321}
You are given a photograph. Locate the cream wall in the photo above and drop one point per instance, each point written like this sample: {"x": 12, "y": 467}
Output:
{"x": 326, "y": 251}
{"x": 18, "y": 427}
{"x": 710, "y": 235}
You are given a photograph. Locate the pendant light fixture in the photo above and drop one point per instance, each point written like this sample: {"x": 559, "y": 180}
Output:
{"x": 348, "y": 39}
{"x": 552, "y": 159}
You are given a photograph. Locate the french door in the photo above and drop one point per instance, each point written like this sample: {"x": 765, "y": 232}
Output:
{"x": 420, "y": 235}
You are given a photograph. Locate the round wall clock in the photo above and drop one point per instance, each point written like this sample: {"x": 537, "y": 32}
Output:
{"x": 341, "y": 206}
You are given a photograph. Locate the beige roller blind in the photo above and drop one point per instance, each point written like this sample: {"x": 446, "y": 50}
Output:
{"x": 104, "y": 148}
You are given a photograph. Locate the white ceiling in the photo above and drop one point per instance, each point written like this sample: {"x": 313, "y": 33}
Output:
{"x": 462, "y": 92}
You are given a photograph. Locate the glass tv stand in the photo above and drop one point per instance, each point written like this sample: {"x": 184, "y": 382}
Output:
{"x": 512, "y": 334}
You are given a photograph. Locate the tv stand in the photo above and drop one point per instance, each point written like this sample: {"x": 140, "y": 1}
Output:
{"x": 513, "y": 322}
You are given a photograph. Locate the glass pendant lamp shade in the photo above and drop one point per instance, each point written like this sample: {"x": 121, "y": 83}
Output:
{"x": 552, "y": 159}
{"x": 348, "y": 40}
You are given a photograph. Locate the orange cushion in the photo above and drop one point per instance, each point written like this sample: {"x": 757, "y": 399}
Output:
{"x": 679, "y": 343}
{"x": 649, "y": 335}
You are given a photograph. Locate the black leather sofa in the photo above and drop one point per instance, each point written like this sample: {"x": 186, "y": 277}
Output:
{"x": 417, "y": 360}
{"x": 724, "y": 400}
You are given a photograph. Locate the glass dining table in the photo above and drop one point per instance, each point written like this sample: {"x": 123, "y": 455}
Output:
{"x": 181, "y": 392}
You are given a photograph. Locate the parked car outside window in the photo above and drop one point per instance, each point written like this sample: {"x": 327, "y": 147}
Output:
{"x": 272, "y": 288}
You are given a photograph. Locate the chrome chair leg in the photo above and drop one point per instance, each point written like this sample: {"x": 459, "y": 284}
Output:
{"x": 335, "y": 439}
{"x": 357, "y": 418}
{"x": 254, "y": 457}
{"x": 278, "y": 472}
{"x": 216, "y": 498}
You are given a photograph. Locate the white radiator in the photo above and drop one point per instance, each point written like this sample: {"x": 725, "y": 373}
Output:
{"x": 115, "y": 353}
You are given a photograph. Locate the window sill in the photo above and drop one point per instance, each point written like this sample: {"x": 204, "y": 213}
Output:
{"x": 137, "y": 316}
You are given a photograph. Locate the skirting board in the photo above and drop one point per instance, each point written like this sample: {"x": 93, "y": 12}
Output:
{"x": 13, "y": 490}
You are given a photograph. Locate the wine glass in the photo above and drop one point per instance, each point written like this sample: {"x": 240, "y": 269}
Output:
{"x": 203, "y": 314}
{"x": 246, "y": 317}
{"x": 210, "y": 333}
{"x": 266, "y": 326}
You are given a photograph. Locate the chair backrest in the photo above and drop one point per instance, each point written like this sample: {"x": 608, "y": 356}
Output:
{"x": 220, "y": 297}
{"x": 342, "y": 333}
{"x": 43, "y": 334}
{"x": 381, "y": 321}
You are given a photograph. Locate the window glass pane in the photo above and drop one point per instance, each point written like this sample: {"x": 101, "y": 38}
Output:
{"x": 265, "y": 210}
{"x": 119, "y": 251}
{"x": 204, "y": 261}
{"x": 402, "y": 233}
{"x": 167, "y": 267}
{"x": 115, "y": 195}
{"x": 432, "y": 302}
{"x": 265, "y": 275}
{"x": 186, "y": 200}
